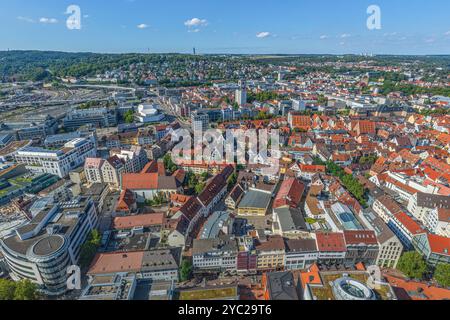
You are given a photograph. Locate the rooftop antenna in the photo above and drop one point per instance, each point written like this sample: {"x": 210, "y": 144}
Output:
{"x": 194, "y": 51}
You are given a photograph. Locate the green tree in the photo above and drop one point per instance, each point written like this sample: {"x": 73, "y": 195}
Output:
{"x": 26, "y": 290}
{"x": 170, "y": 166}
{"x": 185, "y": 270}
{"x": 89, "y": 248}
{"x": 192, "y": 180}
{"x": 199, "y": 187}
{"x": 7, "y": 289}
{"x": 204, "y": 176}
{"x": 129, "y": 116}
{"x": 20, "y": 290}
{"x": 442, "y": 274}
{"x": 412, "y": 265}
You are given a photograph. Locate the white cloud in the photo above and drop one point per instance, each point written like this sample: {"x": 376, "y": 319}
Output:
{"x": 345, "y": 35}
{"x": 196, "y": 22}
{"x": 194, "y": 30}
{"x": 142, "y": 26}
{"x": 447, "y": 33}
{"x": 26, "y": 19}
{"x": 262, "y": 35}
{"x": 324, "y": 36}
{"x": 48, "y": 20}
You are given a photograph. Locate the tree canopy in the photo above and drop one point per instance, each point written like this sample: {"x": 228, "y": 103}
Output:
{"x": 442, "y": 274}
{"x": 412, "y": 265}
{"x": 185, "y": 270}
{"x": 20, "y": 290}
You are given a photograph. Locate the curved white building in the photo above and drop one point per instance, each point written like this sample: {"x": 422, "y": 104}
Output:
{"x": 42, "y": 250}
{"x": 148, "y": 113}
{"x": 346, "y": 288}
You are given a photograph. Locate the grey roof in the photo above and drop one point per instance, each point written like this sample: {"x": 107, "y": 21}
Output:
{"x": 255, "y": 199}
{"x": 291, "y": 219}
{"x": 61, "y": 221}
{"x": 158, "y": 260}
{"x": 382, "y": 231}
{"x": 281, "y": 286}
{"x": 219, "y": 244}
{"x": 428, "y": 200}
{"x": 300, "y": 245}
{"x": 214, "y": 224}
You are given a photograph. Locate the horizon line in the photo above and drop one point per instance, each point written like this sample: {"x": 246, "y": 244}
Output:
{"x": 223, "y": 53}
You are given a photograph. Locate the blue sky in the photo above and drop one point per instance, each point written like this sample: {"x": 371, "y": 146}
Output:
{"x": 228, "y": 26}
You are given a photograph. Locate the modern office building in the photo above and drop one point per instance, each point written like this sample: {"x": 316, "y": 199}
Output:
{"x": 57, "y": 162}
{"x": 200, "y": 121}
{"x": 43, "y": 249}
{"x": 98, "y": 117}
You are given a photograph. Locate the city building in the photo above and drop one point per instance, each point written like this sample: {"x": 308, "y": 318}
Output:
{"x": 215, "y": 254}
{"x": 44, "y": 248}
{"x": 438, "y": 222}
{"x": 362, "y": 247}
{"x": 332, "y": 248}
{"x": 390, "y": 247}
{"x": 255, "y": 203}
{"x": 149, "y": 113}
{"x": 300, "y": 253}
{"x": 57, "y": 162}
{"x": 98, "y": 117}
{"x": 434, "y": 248}
{"x": 241, "y": 93}
{"x": 421, "y": 204}
{"x": 289, "y": 223}
{"x": 270, "y": 253}
{"x": 279, "y": 286}
{"x": 200, "y": 121}
{"x": 155, "y": 265}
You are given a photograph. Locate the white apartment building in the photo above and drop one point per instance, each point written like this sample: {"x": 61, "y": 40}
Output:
{"x": 58, "y": 162}
{"x": 215, "y": 254}
{"x": 134, "y": 159}
{"x": 421, "y": 204}
{"x": 438, "y": 222}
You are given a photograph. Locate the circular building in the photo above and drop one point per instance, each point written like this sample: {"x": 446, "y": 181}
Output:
{"x": 346, "y": 288}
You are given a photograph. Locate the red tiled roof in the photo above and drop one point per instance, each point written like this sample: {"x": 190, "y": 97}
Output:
{"x": 105, "y": 263}
{"x": 312, "y": 168}
{"x": 290, "y": 193}
{"x": 439, "y": 244}
{"x": 143, "y": 220}
{"x": 412, "y": 226}
{"x": 126, "y": 200}
{"x": 330, "y": 242}
{"x": 367, "y": 237}
{"x": 140, "y": 181}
